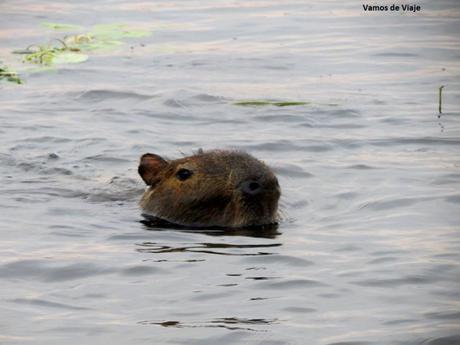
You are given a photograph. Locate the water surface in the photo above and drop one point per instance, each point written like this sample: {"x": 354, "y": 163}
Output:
{"x": 368, "y": 249}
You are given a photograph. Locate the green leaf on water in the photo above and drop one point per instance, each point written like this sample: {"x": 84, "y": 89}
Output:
{"x": 10, "y": 76}
{"x": 41, "y": 56}
{"x": 99, "y": 45}
{"x": 88, "y": 43}
{"x": 262, "y": 102}
{"x": 116, "y": 32}
{"x": 289, "y": 104}
{"x": 68, "y": 57}
{"x": 61, "y": 26}
{"x": 50, "y": 55}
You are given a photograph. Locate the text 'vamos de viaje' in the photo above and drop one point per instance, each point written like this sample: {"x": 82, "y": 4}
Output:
{"x": 392, "y": 8}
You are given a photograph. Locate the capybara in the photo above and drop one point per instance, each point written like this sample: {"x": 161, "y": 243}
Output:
{"x": 218, "y": 188}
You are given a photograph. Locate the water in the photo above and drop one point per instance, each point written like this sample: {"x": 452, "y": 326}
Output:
{"x": 368, "y": 250}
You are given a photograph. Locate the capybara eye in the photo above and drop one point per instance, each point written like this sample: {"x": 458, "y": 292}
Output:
{"x": 183, "y": 174}
{"x": 253, "y": 186}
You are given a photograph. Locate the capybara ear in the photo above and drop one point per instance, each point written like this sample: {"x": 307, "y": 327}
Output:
{"x": 149, "y": 167}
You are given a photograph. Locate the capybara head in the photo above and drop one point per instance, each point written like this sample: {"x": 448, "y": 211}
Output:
{"x": 212, "y": 188}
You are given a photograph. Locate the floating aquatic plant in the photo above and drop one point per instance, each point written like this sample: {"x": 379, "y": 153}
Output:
{"x": 53, "y": 54}
{"x": 116, "y": 32}
{"x": 440, "y": 99}
{"x": 89, "y": 42}
{"x": 260, "y": 103}
{"x": 71, "y": 48}
{"x": 6, "y": 74}
{"x": 61, "y": 27}
{"x": 68, "y": 57}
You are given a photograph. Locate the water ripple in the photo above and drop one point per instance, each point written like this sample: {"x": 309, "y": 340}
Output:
{"x": 47, "y": 304}
{"x": 103, "y": 95}
{"x": 49, "y": 271}
{"x": 229, "y": 323}
{"x": 292, "y": 284}
{"x": 206, "y": 248}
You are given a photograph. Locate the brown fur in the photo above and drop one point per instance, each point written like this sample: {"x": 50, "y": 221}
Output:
{"x": 219, "y": 191}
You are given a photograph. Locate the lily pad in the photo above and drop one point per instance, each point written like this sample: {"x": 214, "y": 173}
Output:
{"x": 69, "y": 57}
{"x": 116, "y": 32}
{"x": 96, "y": 45}
{"x": 62, "y": 27}
{"x": 104, "y": 37}
{"x": 260, "y": 103}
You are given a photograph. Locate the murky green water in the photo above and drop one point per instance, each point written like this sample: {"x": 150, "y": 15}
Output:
{"x": 368, "y": 251}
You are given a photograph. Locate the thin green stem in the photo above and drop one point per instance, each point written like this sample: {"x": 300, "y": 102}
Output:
{"x": 440, "y": 99}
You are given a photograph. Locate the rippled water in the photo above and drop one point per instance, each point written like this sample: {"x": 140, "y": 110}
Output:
{"x": 369, "y": 248}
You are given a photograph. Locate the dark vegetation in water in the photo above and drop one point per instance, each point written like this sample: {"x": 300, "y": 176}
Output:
{"x": 440, "y": 99}
{"x": 11, "y": 76}
{"x": 273, "y": 103}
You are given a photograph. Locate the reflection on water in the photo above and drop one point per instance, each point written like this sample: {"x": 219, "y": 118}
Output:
{"x": 263, "y": 231}
{"x": 223, "y": 248}
{"x": 229, "y": 323}
{"x": 368, "y": 248}
{"x": 206, "y": 248}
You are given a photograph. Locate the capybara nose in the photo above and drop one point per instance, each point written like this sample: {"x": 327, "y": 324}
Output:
{"x": 251, "y": 187}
